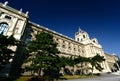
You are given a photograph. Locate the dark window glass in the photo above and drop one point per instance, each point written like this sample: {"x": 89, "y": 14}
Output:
{"x": 3, "y": 28}
{"x": 8, "y": 17}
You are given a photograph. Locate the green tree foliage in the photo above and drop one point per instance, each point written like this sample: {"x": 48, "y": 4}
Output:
{"x": 117, "y": 65}
{"x": 95, "y": 62}
{"x": 64, "y": 61}
{"x": 44, "y": 55}
{"x": 81, "y": 60}
{"x": 5, "y": 51}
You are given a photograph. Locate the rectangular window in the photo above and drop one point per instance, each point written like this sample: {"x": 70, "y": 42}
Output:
{"x": 3, "y": 28}
{"x": 8, "y": 17}
{"x": 77, "y": 39}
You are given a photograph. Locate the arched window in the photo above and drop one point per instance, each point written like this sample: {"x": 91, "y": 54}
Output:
{"x": 83, "y": 36}
{"x": 3, "y": 28}
{"x": 28, "y": 39}
{"x": 77, "y": 39}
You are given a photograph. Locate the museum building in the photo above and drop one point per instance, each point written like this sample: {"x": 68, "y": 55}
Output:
{"x": 15, "y": 22}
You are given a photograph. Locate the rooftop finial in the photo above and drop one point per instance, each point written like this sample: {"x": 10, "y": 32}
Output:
{"x": 6, "y": 2}
{"x": 27, "y": 13}
{"x": 20, "y": 10}
{"x": 80, "y": 30}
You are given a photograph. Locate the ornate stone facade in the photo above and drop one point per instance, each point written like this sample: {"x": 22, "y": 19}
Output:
{"x": 91, "y": 48}
{"x": 14, "y": 22}
{"x": 111, "y": 60}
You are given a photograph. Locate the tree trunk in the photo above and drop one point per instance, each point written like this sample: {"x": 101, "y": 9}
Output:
{"x": 39, "y": 72}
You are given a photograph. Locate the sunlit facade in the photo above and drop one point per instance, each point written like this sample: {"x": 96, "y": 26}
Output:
{"x": 15, "y": 22}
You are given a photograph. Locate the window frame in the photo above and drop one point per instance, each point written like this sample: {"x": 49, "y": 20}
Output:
{"x": 3, "y": 28}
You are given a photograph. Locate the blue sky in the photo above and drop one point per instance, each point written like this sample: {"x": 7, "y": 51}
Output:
{"x": 100, "y": 18}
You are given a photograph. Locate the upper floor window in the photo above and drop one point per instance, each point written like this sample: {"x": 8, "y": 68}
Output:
{"x": 83, "y": 36}
{"x": 8, "y": 17}
{"x": 57, "y": 39}
{"x": 77, "y": 39}
{"x": 28, "y": 39}
{"x": 94, "y": 41}
{"x": 63, "y": 46}
{"x": 3, "y": 28}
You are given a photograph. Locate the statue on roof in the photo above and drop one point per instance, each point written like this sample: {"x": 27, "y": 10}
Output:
{"x": 80, "y": 30}
{"x": 6, "y": 2}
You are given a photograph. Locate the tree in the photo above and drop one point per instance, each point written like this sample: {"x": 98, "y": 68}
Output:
{"x": 81, "y": 60}
{"x": 5, "y": 51}
{"x": 95, "y": 62}
{"x": 117, "y": 65}
{"x": 43, "y": 54}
